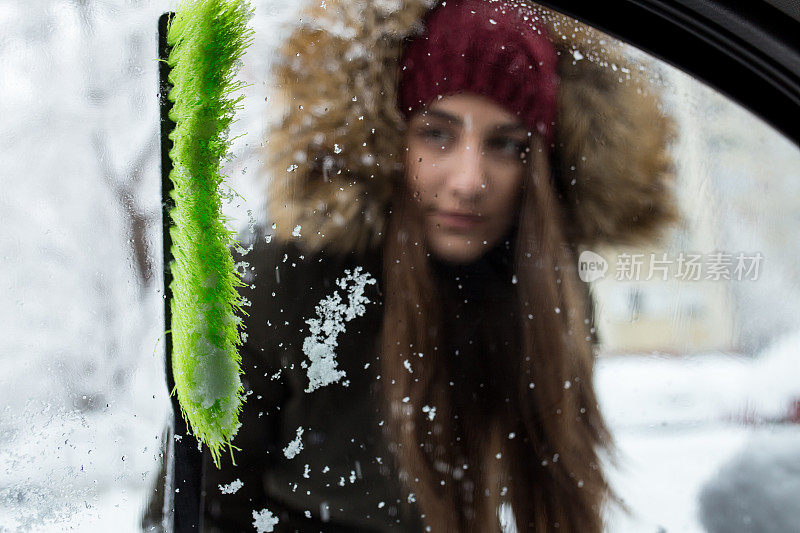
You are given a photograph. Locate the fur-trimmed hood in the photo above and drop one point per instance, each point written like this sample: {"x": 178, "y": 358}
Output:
{"x": 339, "y": 148}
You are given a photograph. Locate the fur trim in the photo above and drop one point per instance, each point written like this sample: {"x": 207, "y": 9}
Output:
{"x": 338, "y": 150}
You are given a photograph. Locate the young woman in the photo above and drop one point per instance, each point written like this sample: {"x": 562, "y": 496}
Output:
{"x": 457, "y": 154}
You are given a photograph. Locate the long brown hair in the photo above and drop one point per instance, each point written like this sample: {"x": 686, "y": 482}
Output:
{"x": 532, "y": 439}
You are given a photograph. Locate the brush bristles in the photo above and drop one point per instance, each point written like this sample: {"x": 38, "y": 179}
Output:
{"x": 208, "y": 39}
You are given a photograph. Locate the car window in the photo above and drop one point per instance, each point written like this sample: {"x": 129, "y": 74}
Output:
{"x": 695, "y": 334}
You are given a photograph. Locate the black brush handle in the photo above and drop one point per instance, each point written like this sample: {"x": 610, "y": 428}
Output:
{"x": 184, "y": 498}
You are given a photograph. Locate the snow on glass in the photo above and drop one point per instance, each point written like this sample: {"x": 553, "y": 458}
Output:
{"x": 232, "y": 487}
{"x": 332, "y": 314}
{"x": 264, "y": 521}
{"x": 295, "y": 446}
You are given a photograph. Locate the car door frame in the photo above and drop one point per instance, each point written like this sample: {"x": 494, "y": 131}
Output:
{"x": 749, "y": 51}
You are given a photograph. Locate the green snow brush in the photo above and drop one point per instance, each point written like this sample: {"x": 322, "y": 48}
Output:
{"x": 208, "y": 38}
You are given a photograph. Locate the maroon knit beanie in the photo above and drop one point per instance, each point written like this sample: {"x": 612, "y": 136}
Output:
{"x": 493, "y": 48}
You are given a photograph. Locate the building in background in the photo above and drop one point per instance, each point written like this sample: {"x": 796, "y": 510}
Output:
{"x": 732, "y": 202}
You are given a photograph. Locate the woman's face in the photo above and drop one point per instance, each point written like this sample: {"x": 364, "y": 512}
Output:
{"x": 465, "y": 164}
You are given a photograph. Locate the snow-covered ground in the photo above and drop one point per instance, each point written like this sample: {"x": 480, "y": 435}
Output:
{"x": 679, "y": 421}
{"x": 82, "y": 470}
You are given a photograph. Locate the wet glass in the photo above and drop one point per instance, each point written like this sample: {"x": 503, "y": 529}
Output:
{"x": 697, "y": 336}
{"x": 82, "y": 388}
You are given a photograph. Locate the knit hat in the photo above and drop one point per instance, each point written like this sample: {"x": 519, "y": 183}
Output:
{"x": 493, "y": 48}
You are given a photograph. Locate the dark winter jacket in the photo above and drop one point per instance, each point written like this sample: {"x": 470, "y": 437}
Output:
{"x": 344, "y": 478}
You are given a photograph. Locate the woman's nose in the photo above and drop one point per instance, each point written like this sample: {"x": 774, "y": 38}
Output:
{"x": 467, "y": 180}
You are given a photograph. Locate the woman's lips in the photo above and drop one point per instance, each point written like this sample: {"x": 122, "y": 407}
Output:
{"x": 457, "y": 220}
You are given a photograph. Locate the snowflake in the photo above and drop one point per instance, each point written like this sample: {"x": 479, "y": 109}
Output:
{"x": 264, "y": 521}
{"x": 232, "y": 487}
{"x": 332, "y": 314}
{"x": 294, "y": 447}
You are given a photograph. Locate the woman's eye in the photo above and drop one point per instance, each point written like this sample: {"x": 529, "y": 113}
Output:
{"x": 506, "y": 146}
{"x": 436, "y": 135}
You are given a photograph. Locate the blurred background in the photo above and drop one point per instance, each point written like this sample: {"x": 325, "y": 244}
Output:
{"x": 697, "y": 377}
